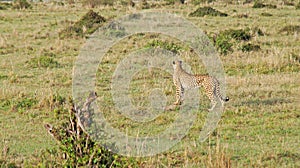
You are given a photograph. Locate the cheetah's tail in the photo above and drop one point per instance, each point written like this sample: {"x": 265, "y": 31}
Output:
{"x": 226, "y": 99}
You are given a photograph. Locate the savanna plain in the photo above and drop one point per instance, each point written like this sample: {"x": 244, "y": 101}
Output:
{"x": 258, "y": 44}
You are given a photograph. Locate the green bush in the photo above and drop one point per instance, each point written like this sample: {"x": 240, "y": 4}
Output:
{"x": 76, "y": 148}
{"x": 165, "y": 45}
{"x": 203, "y": 11}
{"x": 223, "y": 44}
{"x": 226, "y": 40}
{"x": 21, "y": 4}
{"x": 239, "y": 34}
{"x": 88, "y": 24}
{"x": 249, "y": 47}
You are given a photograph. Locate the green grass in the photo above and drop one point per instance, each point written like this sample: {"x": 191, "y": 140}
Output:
{"x": 260, "y": 125}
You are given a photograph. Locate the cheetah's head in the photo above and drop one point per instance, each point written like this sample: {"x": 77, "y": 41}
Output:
{"x": 177, "y": 64}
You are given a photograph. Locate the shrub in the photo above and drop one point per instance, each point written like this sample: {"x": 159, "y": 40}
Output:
{"x": 21, "y": 4}
{"x": 88, "y": 24}
{"x": 262, "y": 5}
{"x": 249, "y": 47}
{"x": 203, "y": 11}
{"x": 223, "y": 44}
{"x": 239, "y": 34}
{"x": 290, "y": 29}
{"x": 165, "y": 45}
{"x": 76, "y": 148}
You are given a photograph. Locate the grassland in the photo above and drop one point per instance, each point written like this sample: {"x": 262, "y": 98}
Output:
{"x": 260, "y": 125}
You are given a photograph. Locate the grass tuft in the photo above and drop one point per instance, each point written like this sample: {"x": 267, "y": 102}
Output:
{"x": 5, "y": 5}
{"x": 262, "y": 5}
{"x": 21, "y": 4}
{"x": 43, "y": 61}
{"x": 290, "y": 29}
{"x": 266, "y": 14}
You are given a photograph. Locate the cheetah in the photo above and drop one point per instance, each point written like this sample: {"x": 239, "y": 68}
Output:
{"x": 184, "y": 80}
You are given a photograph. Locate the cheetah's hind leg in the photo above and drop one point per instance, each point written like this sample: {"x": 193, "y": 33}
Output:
{"x": 213, "y": 105}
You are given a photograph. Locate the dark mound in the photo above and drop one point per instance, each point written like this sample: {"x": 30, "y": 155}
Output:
{"x": 202, "y": 11}
{"x": 88, "y": 24}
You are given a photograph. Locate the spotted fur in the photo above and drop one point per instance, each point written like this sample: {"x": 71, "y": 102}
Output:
{"x": 184, "y": 80}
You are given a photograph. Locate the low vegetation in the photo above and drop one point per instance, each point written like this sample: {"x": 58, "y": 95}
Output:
{"x": 266, "y": 14}
{"x": 290, "y": 29}
{"x": 76, "y": 147}
{"x": 170, "y": 46}
{"x": 249, "y": 47}
{"x": 227, "y": 40}
{"x": 206, "y": 11}
{"x": 21, "y": 4}
{"x": 262, "y": 5}
{"x": 88, "y": 24}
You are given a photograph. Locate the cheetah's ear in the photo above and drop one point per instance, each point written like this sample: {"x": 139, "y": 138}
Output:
{"x": 173, "y": 62}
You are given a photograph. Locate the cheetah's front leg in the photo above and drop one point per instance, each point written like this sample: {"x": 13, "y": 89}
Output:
{"x": 179, "y": 95}
{"x": 210, "y": 94}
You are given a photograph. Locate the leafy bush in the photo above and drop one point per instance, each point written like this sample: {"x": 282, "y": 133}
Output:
{"x": 21, "y": 4}
{"x": 88, "y": 24}
{"x": 262, "y": 5}
{"x": 203, "y": 11}
{"x": 223, "y": 44}
{"x": 165, "y": 45}
{"x": 226, "y": 40}
{"x": 249, "y": 47}
{"x": 76, "y": 148}
{"x": 290, "y": 29}
{"x": 239, "y": 34}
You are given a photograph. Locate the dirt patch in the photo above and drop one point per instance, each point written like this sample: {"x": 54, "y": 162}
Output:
{"x": 88, "y": 24}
